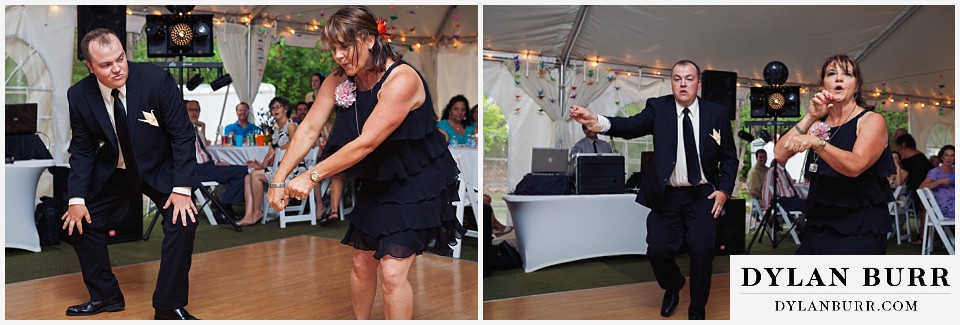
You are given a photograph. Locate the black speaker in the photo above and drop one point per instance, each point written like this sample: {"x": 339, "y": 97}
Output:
{"x": 720, "y": 87}
{"x": 113, "y": 18}
{"x": 598, "y": 174}
{"x": 731, "y": 236}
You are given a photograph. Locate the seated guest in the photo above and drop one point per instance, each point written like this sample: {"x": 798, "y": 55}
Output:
{"x": 900, "y": 176}
{"x": 590, "y": 144}
{"x": 316, "y": 80}
{"x": 935, "y": 160}
{"x": 788, "y": 197}
{"x": 241, "y": 188}
{"x": 283, "y": 130}
{"x": 941, "y": 180}
{"x": 917, "y": 165}
{"x": 302, "y": 109}
{"x": 498, "y": 228}
{"x": 756, "y": 178}
{"x": 242, "y": 127}
{"x": 454, "y": 124}
{"x": 474, "y": 115}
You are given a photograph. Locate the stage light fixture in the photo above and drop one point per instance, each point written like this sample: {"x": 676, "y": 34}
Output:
{"x": 221, "y": 82}
{"x": 195, "y": 81}
{"x": 180, "y": 34}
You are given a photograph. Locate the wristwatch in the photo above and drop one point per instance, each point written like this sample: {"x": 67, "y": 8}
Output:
{"x": 314, "y": 176}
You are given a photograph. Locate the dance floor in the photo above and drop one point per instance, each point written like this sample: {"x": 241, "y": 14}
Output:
{"x": 630, "y": 301}
{"x": 295, "y": 278}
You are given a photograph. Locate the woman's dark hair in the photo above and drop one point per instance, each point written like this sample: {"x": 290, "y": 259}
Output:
{"x": 353, "y": 24}
{"x": 282, "y": 101}
{"x": 943, "y": 151}
{"x": 458, "y": 98}
{"x": 470, "y": 113}
{"x": 846, "y": 63}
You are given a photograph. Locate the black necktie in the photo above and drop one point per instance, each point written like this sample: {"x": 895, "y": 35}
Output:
{"x": 123, "y": 137}
{"x": 690, "y": 148}
{"x": 595, "y": 147}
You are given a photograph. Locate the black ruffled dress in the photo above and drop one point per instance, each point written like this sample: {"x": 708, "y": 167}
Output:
{"x": 847, "y": 215}
{"x": 404, "y": 187}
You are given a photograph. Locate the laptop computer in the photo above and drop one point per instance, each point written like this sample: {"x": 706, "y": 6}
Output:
{"x": 549, "y": 160}
{"x": 21, "y": 119}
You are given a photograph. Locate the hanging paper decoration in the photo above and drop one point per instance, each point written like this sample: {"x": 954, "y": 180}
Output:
{"x": 590, "y": 83}
{"x": 574, "y": 88}
{"x": 608, "y": 69}
{"x": 552, "y": 100}
{"x": 617, "y": 102}
{"x": 590, "y": 73}
{"x": 393, "y": 17}
{"x": 412, "y": 30}
{"x": 456, "y": 25}
{"x": 413, "y": 12}
{"x": 883, "y": 90}
{"x": 455, "y": 16}
{"x": 610, "y": 77}
{"x": 516, "y": 110}
{"x": 540, "y": 93}
{"x": 456, "y": 35}
{"x": 941, "y": 85}
{"x": 616, "y": 87}
{"x": 540, "y": 110}
{"x": 516, "y": 63}
{"x": 552, "y": 79}
{"x": 518, "y": 97}
{"x": 574, "y": 96}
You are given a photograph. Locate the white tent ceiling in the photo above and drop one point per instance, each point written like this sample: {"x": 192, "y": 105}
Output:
{"x": 416, "y": 23}
{"x": 910, "y": 49}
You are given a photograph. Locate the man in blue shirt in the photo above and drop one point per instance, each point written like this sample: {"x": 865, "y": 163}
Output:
{"x": 243, "y": 126}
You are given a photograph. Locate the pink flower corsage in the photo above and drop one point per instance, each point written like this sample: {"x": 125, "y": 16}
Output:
{"x": 346, "y": 94}
{"x": 820, "y": 130}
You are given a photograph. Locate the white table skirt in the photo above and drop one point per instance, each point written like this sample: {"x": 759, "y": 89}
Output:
{"x": 554, "y": 229}
{"x": 21, "y": 197}
{"x": 238, "y": 155}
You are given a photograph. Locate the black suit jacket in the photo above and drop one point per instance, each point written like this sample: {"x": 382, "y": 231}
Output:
{"x": 164, "y": 154}
{"x": 718, "y": 161}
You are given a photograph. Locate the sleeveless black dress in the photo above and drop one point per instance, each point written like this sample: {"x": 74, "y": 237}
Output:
{"x": 404, "y": 187}
{"x": 847, "y": 215}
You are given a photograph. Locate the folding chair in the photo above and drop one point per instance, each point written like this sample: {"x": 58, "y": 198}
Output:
{"x": 466, "y": 199}
{"x": 203, "y": 203}
{"x": 790, "y": 224}
{"x": 897, "y": 208}
{"x": 305, "y": 210}
{"x": 935, "y": 222}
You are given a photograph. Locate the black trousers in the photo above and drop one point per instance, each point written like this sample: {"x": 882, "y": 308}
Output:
{"x": 231, "y": 176}
{"x": 91, "y": 247}
{"x": 684, "y": 221}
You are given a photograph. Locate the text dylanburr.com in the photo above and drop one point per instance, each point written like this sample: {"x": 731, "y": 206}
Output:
{"x": 827, "y": 287}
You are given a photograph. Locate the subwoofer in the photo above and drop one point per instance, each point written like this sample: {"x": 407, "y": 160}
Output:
{"x": 730, "y": 228}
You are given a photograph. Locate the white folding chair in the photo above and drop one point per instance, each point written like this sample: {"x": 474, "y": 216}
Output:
{"x": 305, "y": 211}
{"x": 204, "y": 204}
{"x": 897, "y": 209}
{"x": 788, "y": 224}
{"x": 466, "y": 199}
{"x": 935, "y": 222}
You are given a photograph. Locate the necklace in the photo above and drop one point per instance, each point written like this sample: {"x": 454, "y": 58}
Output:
{"x": 813, "y": 165}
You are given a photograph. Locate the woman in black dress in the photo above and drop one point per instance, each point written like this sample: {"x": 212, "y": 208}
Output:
{"x": 384, "y": 137}
{"x": 847, "y": 204}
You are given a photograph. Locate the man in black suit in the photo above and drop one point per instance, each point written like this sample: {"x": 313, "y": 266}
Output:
{"x": 131, "y": 135}
{"x": 692, "y": 177}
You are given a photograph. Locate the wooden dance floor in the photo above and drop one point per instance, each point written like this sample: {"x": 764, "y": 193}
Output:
{"x": 303, "y": 277}
{"x": 630, "y": 301}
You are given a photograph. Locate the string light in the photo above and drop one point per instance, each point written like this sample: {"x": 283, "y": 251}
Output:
{"x": 129, "y": 12}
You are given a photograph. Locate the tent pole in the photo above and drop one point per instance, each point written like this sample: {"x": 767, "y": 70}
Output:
{"x": 249, "y": 70}
{"x": 886, "y": 33}
{"x": 563, "y": 101}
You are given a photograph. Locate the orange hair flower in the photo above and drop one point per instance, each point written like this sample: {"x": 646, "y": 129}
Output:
{"x": 382, "y": 28}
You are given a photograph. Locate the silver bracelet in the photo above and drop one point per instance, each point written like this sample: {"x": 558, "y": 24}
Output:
{"x": 277, "y": 185}
{"x": 797, "y": 127}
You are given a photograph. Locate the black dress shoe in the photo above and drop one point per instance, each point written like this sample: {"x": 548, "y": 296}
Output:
{"x": 176, "y": 314}
{"x": 93, "y": 307}
{"x": 697, "y": 315}
{"x": 671, "y": 298}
